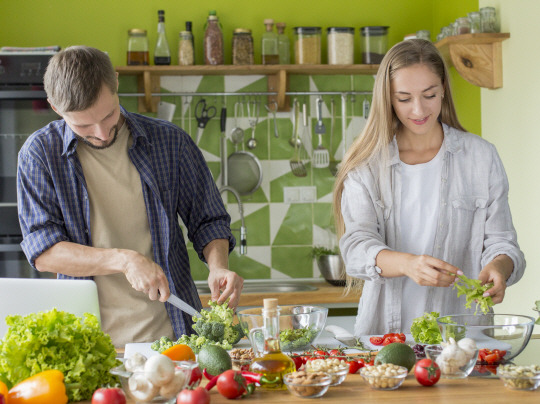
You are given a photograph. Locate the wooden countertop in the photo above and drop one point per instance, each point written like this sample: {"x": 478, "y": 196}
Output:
{"x": 473, "y": 390}
{"x": 324, "y": 295}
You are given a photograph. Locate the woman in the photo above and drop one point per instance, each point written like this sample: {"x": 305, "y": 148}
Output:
{"x": 418, "y": 200}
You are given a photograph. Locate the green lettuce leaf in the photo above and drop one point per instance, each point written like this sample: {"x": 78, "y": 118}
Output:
{"x": 58, "y": 340}
{"x": 473, "y": 291}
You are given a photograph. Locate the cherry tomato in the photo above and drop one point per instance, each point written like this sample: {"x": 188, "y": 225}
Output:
{"x": 298, "y": 361}
{"x": 231, "y": 384}
{"x": 355, "y": 366}
{"x": 320, "y": 353}
{"x": 196, "y": 396}
{"x": 196, "y": 377}
{"x": 113, "y": 395}
{"x": 427, "y": 372}
{"x": 376, "y": 340}
{"x": 402, "y": 337}
{"x": 2, "y": 399}
{"x": 387, "y": 341}
{"x": 334, "y": 352}
{"x": 492, "y": 358}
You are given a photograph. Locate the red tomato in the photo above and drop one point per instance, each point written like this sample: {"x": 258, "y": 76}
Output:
{"x": 334, "y": 352}
{"x": 298, "y": 361}
{"x": 109, "y": 396}
{"x": 196, "y": 396}
{"x": 2, "y": 399}
{"x": 388, "y": 340}
{"x": 231, "y": 384}
{"x": 402, "y": 337}
{"x": 427, "y": 372}
{"x": 355, "y": 366}
{"x": 321, "y": 353}
{"x": 492, "y": 358}
{"x": 376, "y": 340}
{"x": 196, "y": 376}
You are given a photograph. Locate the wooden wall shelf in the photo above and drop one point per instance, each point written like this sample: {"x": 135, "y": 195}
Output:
{"x": 476, "y": 57}
{"x": 278, "y": 75}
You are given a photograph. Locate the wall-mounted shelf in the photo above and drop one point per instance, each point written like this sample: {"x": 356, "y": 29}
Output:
{"x": 476, "y": 57}
{"x": 149, "y": 77}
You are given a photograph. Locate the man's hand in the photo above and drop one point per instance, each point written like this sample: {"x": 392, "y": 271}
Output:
{"x": 224, "y": 284}
{"x": 497, "y": 271}
{"x": 146, "y": 276}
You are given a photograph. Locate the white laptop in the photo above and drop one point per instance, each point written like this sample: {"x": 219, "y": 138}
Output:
{"x": 24, "y": 296}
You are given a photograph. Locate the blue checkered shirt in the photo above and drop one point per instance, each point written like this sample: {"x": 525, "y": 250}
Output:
{"x": 54, "y": 206}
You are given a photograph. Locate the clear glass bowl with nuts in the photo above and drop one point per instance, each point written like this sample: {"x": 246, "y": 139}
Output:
{"x": 386, "y": 376}
{"x": 307, "y": 384}
{"x": 336, "y": 368}
{"x": 241, "y": 358}
{"x": 519, "y": 377}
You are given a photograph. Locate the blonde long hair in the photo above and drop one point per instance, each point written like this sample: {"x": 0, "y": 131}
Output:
{"x": 372, "y": 144}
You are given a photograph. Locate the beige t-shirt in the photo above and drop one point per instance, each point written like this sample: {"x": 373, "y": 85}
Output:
{"x": 118, "y": 219}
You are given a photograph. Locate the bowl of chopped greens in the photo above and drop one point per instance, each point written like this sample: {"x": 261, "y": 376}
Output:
{"x": 299, "y": 326}
{"x": 508, "y": 333}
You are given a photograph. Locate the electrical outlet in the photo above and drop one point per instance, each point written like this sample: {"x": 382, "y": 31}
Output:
{"x": 300, "y": 194}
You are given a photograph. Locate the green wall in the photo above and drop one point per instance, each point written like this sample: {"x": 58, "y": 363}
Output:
{"x": 104, "y": 24}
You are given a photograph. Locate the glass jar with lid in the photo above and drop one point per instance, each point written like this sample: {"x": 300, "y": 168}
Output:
{"x": 340, "y": 45}
{"x": 307, "y": 45}
{"x": 185, "y": 49}
{"x": 213, "y": 41}
{"x": 488, "y": 19}
{"x": 137, "y": 47}
{"x": 242, "y": 47}
{"x": 375, "y": 43}
{"x": 269, "y": 44}
{"x": 462, "y": 26}
{"x": 474, "y": 18}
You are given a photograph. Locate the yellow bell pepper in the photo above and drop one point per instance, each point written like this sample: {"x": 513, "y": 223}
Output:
{"x": 46, "y": 387}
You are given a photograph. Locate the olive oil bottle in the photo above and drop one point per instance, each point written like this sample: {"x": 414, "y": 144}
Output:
{"x": 272, "y": 364}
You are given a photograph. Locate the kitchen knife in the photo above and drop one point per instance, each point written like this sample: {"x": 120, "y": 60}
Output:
{"x": 342, "y": 335}
{"x": 186, "y": 308}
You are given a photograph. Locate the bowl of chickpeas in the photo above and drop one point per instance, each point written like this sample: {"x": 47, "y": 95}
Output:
{"x": 519, "y": 377}
{"x": 336, "y": 368}
{"x": 307, "y": 384}
{"x": 385, "y": 376}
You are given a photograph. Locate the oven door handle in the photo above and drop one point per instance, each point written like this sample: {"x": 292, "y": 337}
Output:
{"x": 10, "y": 248}
{"x": 23, "y": 95}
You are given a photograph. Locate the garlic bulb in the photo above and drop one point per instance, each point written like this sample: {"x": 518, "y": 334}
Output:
{"x": 452, "y": 357}
{"x": 468, "y": 345}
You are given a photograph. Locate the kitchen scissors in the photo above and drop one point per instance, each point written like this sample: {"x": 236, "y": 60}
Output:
{"x": 203, "y": 113}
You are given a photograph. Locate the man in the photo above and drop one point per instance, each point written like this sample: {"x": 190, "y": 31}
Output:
{"x": 99, "y": 195}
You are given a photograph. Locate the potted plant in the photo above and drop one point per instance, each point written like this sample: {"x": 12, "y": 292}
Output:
{"x": 330, "y": 264}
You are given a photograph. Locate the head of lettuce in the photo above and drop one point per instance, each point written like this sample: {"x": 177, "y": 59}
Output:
{"x": 54, "y": 339}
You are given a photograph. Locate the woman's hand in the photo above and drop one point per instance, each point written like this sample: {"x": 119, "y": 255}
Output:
{"x": 423, "y": 269}
{"x": 497, "y": 271}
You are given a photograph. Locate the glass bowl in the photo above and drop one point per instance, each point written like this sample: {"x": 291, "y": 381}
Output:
{"x": 299, "y": 326}
{"x": 307, "y": 384}
{"x": 505, "y": 332}
{"x": 378, "y": 376}
{"x": 166, "y": 394}
{"x": 434, "y": 351}
{"x": 519, "y": 377}
{"x": 336, "y": 368}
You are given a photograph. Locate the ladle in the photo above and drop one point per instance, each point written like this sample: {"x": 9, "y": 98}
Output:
{"x": 295, "y": 141}
{"x": 253, "y": 117}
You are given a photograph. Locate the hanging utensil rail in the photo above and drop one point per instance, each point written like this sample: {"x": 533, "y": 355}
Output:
{"x": 256, "y": 93}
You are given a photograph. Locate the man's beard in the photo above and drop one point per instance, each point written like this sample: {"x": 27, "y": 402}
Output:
{"x": 93, "y": 146}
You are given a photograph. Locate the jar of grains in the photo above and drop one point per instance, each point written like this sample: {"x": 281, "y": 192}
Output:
{"x": 185, "y": 49}
{"x": 242, "y": 47}
{"x": 488, "y": 19}
{"x": 307, "y": 45}
{"x": 340, "y": 45}
{"x": 213, "y": 41}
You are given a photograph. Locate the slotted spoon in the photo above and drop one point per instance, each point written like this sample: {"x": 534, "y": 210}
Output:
{"x": 321, "y": 156}
{"x": 297, "y": 165}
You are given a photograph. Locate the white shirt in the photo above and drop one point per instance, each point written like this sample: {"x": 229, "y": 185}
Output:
{"x": 475, "y": 225}
{"x": 420, "y": 196}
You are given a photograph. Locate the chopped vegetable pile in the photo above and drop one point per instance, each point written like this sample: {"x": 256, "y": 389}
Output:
{"x": 425, "y": 329}
{"x": 474, "y": 291}
{"x": 214, "y": 327}
{"x": 58, "y": 340}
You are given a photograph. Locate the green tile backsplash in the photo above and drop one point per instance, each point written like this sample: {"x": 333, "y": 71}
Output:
{"x": 279, "y": 235}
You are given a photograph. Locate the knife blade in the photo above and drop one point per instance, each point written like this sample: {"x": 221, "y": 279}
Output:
{"x": 342, "y": 335}
{"x": 186, "y": 308}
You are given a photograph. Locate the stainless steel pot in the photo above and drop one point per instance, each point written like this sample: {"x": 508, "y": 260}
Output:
{"x": 332, "y": 269}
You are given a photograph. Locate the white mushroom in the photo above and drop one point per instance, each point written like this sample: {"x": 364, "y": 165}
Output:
{"x": 175, "y": 385}
{"x": 135, "y": 362}
{"x": 141, "y": 388}
{"x": 159, "y": 369}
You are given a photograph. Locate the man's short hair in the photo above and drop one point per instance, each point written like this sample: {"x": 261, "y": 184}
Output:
{"x": 75, "y": 76}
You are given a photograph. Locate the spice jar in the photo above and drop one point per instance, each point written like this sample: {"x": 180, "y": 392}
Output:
{"x": 242, "y": 47}
{"x": 488, "y": 20}
{"x": 213, "y": 41}
{"x": 269, "y": 44}
{"x": 185, "y": 49}
{"x": 474, "y": 18}
{"x": 462, "y": 26}
{"x": 137, "y": 48}
{"x": 375, "y": 44}
{"x": 340, "y": 45}
{"x": 284, "y": 45}
{"x": 307, "y": 45}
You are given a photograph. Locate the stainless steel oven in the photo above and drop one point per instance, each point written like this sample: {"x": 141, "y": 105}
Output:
{"x": 23, "y": 110}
